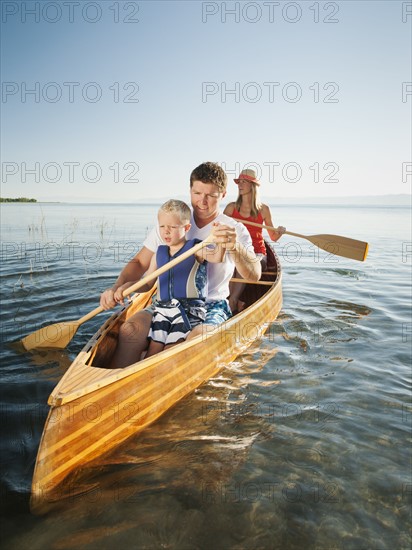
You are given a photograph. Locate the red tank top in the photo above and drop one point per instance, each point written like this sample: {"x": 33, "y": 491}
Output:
{"x": 255, "y": 232}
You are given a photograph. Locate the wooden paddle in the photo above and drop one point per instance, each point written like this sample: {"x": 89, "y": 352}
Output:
{"x": 60, "y": 334}
{"x": 334, "y": 244}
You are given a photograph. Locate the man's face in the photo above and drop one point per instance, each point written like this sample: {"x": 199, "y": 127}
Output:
{"x": 205, "y": 198}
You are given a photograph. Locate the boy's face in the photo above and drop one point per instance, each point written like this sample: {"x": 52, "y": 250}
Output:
{"x": 205, "y": 198}
{"x": 172, "y": 229}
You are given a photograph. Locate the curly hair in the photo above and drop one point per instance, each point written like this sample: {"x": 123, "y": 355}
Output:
{"x": 210, "y": 172}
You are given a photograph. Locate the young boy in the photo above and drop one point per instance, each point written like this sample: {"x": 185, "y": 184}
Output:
{"x": 182, "y": 290}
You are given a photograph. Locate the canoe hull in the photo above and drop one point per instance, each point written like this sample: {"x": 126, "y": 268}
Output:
{"x": 82, "y": 428}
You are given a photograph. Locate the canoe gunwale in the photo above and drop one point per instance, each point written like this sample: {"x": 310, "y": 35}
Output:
{"x": 127, "y": 400}
{"x": 59, "y": 397}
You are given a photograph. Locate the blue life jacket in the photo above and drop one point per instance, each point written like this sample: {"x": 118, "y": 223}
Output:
{"x": 188, "y": 279}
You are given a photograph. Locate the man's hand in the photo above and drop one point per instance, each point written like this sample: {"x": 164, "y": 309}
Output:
{"x": 107, "y": 300}
{"x": 224, "y": 235}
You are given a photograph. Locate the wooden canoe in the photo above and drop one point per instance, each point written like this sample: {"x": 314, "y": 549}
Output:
{"x": 93, "y": 409}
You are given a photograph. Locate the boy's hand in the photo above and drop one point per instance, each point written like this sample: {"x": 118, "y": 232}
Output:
{"x": 118, "y": 295}
{"x": 107, "y": 300}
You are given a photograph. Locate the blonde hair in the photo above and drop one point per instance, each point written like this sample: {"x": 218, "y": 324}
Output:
{"x": 256, "y": 202}
{"x": 174, "y": 206}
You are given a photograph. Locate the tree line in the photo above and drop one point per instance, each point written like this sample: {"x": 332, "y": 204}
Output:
{"x": 19, "y": 199}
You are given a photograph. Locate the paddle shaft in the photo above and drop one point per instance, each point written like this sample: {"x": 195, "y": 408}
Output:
{"x": 247, "y": 222}
{"x": 142, "y": 282}
{"x": 333, "y": 244}
{"x": 60, "y": 334}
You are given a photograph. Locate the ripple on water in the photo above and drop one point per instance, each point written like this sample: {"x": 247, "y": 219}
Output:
{"x": 298, "y": 444}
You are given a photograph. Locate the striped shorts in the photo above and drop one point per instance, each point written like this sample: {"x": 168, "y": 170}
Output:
{"x": 172, "y": 320}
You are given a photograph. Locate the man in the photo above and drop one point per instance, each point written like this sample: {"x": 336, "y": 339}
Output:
{"x": 208, "y": 184}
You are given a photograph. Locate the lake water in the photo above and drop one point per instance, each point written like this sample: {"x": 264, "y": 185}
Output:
{"x": 303, "y": 442}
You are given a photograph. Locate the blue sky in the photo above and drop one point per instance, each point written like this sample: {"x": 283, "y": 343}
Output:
{"x": 128, "y": 97}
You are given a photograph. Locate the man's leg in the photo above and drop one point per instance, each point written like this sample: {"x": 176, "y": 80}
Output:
{"x": 236, "y": 290}
{"x": 217, "y": 312}
{"x": 132, "y": 340}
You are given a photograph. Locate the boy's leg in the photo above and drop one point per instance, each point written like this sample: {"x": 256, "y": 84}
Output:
{"x": 132, "y": 340}
{"x": 167, "y": 346}
{"x": 154, "y": 347}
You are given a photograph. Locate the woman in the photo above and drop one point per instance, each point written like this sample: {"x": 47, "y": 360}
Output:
{"x": 248, "y": 207}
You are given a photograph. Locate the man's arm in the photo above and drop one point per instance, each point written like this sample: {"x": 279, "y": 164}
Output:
{"x": 246, "y": 262}
{"x": 132, "y": 271}
{"x": 215, "y": 252}
{"x": 237, "y": 242}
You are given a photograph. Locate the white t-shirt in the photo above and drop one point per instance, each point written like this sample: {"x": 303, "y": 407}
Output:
{"x": 218, "y": 275}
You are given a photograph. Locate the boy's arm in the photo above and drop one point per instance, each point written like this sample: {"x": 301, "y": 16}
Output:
{"x": 118, "y": 293}
{"x": 133, "y": 271}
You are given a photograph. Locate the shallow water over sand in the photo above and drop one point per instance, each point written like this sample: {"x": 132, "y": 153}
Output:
{"x": 302, "y": 442}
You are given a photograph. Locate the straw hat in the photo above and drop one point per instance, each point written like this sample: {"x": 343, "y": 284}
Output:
{"x": 249, "y": 175}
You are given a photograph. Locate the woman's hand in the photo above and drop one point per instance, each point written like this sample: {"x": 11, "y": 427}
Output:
{"x": 277, "y": 233}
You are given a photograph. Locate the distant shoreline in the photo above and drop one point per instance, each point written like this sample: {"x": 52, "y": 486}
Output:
{"x": 394, "y": 200}
{"x": 271, "y": 204}
{"x": 19, "y": 199}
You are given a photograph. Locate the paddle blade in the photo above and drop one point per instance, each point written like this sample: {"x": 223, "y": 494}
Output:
{"x": 53, "y": 336}
{"x": 341, "y": 246}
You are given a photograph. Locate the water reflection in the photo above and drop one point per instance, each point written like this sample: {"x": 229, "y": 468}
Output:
{"x": 301, "y": 443}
